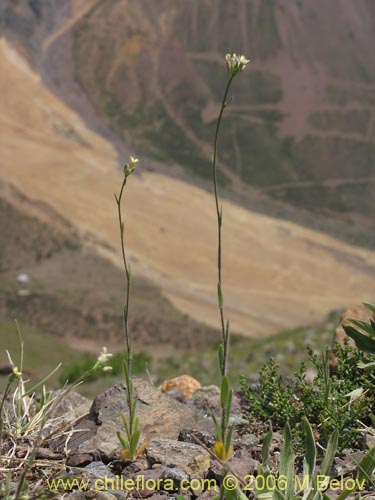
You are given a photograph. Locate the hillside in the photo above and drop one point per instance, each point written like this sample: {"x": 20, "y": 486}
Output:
{"x": 272, "y": 268}
{"x": 301, "y": 125}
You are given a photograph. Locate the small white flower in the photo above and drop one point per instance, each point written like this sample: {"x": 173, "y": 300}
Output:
{"x": 130, "y": 167}
{"x": 104, "y": 356}
{"x": 107, "y": 368}
{"x": 236, "y": 63}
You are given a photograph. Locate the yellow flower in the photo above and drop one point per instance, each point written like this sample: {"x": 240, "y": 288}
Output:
{"x": 16, "y": 372}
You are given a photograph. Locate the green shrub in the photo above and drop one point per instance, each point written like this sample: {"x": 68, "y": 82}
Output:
{"x": 333, "y": 400}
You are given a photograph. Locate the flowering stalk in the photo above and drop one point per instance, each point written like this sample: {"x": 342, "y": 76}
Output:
{"x": 223, "y": 446}
{"x": 129, "y": 441}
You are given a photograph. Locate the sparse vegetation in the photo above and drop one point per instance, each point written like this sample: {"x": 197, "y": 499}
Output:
{"x": 333, "y": 400}
{"x": 328, "y": 412}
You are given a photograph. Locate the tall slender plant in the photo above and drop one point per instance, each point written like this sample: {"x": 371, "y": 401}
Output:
{"x": 223, "y": 446}
{"x": 130, "y": 439}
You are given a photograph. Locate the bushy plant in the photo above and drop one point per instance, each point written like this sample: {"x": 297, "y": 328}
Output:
{"x": 332, "y": 401}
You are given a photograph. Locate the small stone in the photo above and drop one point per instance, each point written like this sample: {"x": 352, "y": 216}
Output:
{"x": 138, "y": 465}
{"x": 148, "y": 482}
{"x": 245, "y": 441}
{"x": 177, "y": 475}
{"x": 205, "y": 437}
{"x": 242, "y": 464}
{"x": 191, "y": 458}
{"x": 80, "y": 459}
{"x": 99, "y": 469}
{"x": 76, "y": 495}
{"x": 105, "y": 495}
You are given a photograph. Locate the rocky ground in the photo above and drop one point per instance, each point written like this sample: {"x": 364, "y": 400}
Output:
{"x": 80, "y": 451}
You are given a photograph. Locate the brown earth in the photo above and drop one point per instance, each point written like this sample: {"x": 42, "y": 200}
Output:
{"x": 272, "y": 268}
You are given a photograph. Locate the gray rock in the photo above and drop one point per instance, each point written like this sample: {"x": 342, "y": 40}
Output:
{"x": 242, "y": 464}
{"x": 66, "y": 409}
{"x": 189, "y": 457}
{"x": 209, "y": 397}
{"x": 105, "y": 495}
{"x": 160, "y": 416}
{"x": 149, "y": 482}
{"x": 81, "y": 459}
{"x": 67, "y": 403}
{"x": 206, "y": 438}
{"x": 177, "y": 475}
{"x": 99, "y": 470}
{"x": 245, "y": 441}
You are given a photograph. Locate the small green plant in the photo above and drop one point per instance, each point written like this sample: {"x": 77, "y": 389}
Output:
{"x": 286, "y": 485}
{"x": 130, "y": 439}
{"x": 365, "y": 343}
{"x": 223, "y": 445}
{"x": 330, "y": 401}
{"x": 23, "y": 418}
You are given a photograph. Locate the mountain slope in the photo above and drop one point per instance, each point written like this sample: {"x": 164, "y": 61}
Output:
{"x": 301, "y": 127}
{"x": 272, "y": 268}
{"x": 302, "y": 123}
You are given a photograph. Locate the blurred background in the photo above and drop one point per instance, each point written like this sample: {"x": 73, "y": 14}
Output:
{"x": 86, "y": 83}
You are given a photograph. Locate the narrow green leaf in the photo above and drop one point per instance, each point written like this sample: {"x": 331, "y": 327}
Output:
{"x": 228, "y": 407}
{"x": 310, "y": 449}
{"x": 287, "y": 462}
{"x": 224, "y": 391}
{"x": 363, "y": 342}
{"x": 236, "y": 494}
{"x": 221, "y": 357}
{"x": 318, "y": 496}
{"x": 364, "y": 326}
{"x": 227, "y": 332}
{"x": 366, "y": 466}
{"x": 216, "y": 424}
{"x": 369, "y": 306}
{"x": 122, "y": 440}
{"x": 266, "y": 445}
{"x": 220, "y": 295}
{"x": 330, "y": 453}
{"x": 277, "y": 495}
{"x": 33, "y": 389}
{"x": 228, "y": 439}
{"x": 134, "y": 443}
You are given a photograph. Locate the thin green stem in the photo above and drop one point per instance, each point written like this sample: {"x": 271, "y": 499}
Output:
{"x": 219, "y": 215}
{"x": 219, "y": 225}
{"x": 128, "y": 339}
{"x": 127, "y": 274}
